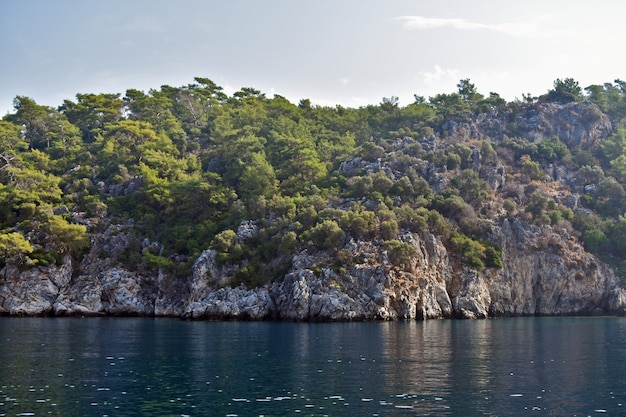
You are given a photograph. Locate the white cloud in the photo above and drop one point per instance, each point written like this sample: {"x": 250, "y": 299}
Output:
{"x": 143, "y": 24}
{"x": 427, "y": 23}
{"x": 345, "y": 80}
{"x": 107, "y": 23}
{"x": 437, "y": 75}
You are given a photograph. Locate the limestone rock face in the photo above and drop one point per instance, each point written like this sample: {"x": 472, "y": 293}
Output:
{"x": 32, "y": 292}
{"x": 545, "y": 273}
{"x": 207, "y": 273}
{"x": 232, "y": 303}
{"x": 576, "y": 124}
{"x": 368, "y": 291}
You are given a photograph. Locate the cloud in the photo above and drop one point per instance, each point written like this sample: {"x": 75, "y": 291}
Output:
{"x": 438, "y": 74}
{"x": 427, "y": 23}
{"x": 143, "y": 24}
{"x": 107, "y": 23}
{"x": 345, "y": 80}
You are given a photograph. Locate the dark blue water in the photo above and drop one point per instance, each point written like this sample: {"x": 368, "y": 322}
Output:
{"x": 163, "y": 367}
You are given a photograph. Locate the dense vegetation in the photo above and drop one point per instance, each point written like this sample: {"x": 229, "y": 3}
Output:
{"x": 182, "y": 167}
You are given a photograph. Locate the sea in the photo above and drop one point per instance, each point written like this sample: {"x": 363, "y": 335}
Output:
{"x": 535, "y": 366}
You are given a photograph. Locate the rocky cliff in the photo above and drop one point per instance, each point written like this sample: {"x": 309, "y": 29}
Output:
{"x": 576, "y": 124}
{"x": 545, "y": 272}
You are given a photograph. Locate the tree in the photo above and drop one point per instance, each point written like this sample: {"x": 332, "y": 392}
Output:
{"x": 618, "y": 166}
{"x": 10, "y": 140}
{"x": 155, "y": 108}
{"x": 327, "y": 235}
{"x": 537, "y": 203}
{"x": 11, "y": 144}
{"x": 258, "y": 178}
{"x": 91, "y": 112}
{"x": 471, "y": 187}
{"x": 531, "y": 168}
{"x": 594, "y": 240}
{"x": 467, "y": 92}
{"x": 565, "y": 91}
{"x": 615, "y": 145}
{"x": 43, "y": 127}
{"x": 67, "y": 237}
{"x": 451, "y": 106}
{"x": 400, "y": 253}
{"x": 610, "y": 97}
{"x": 617, "y": 234}
{"x": 551, "y": 149}
{"x": 292, "y": 152}
{"x": 128, "y": 143}
{"x": 610, "y": 197}
{"x": 472, "y": 251}
{"x": 13, "y": 247}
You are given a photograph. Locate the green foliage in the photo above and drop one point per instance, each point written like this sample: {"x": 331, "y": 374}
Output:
{"x": 493, "y": 256}
{"x": 14, "y": 247}
{"x": 617, "y": 234}
{"x": 615, "y": 145}
{"x": 326, "y": 235}
{"x": 414, "y": 220}
{"x": 91, "y": 112}
{"x": 388, "y": 229}
{"x": 400, "y": 253}
{"x": 552, "y": 149}
{"x": 342, "y": 260}
{"x": 472, "y": 251}
{"x": 610, "y": 97}
{"x": 531, "y": 168}
{"x": 227, "y": 247}
{"x": 537, "y": 203}
{"x": 470, "y": 186}
{"x": 156, "y": 261}
{"x": 594, "y": 240}
{"x": 67, "y": 237}
{"x": 184, "y": 166}
{"x": 565, "y": 91}
{"x": 359, "y": 222}
{"x": 371, "y": 152}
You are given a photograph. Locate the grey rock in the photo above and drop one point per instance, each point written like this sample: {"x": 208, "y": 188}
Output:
{"x": 246, "y": 230}
{"x": 545, "y": 272}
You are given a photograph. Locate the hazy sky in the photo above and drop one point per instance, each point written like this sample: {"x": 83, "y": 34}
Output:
{"x": 348, "y": 52}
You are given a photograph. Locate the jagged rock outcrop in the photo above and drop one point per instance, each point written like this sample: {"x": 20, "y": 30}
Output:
{"x": 576, "y": 124}
{"x": 545, "y": 273}
{"x": 33, "y": 292}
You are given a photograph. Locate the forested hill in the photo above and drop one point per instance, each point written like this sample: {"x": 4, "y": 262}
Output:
{"x": 180, "y": 170}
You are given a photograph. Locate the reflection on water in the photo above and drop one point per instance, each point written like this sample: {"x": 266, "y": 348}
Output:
{"x": 159, "y": 367}
{"x": 417, "y": 363}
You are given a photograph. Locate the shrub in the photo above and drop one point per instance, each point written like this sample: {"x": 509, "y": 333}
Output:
{"x": 594, "y": 240}
{"x": 531, "y": 168}
{"x": 400, "y": 253}
{"x": 359, "y": 222}
{"x": 472, "y": 251}
{"x": 327, "y": 235}
{"x": 493, "y": 257}
{"x": 388, "y": 229}
{"x": 343, "y": 259}
{"x": 411, "y": 219}
{"x": 509, "y": 205}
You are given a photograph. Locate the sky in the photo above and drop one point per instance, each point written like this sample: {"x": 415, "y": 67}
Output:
{"x": 332, "y": 52}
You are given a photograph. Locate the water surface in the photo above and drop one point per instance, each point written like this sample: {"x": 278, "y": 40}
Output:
{"x": 167, "y": 367}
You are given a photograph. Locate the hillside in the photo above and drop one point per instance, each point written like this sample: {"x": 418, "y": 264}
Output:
{"x": 187, "y": 202}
